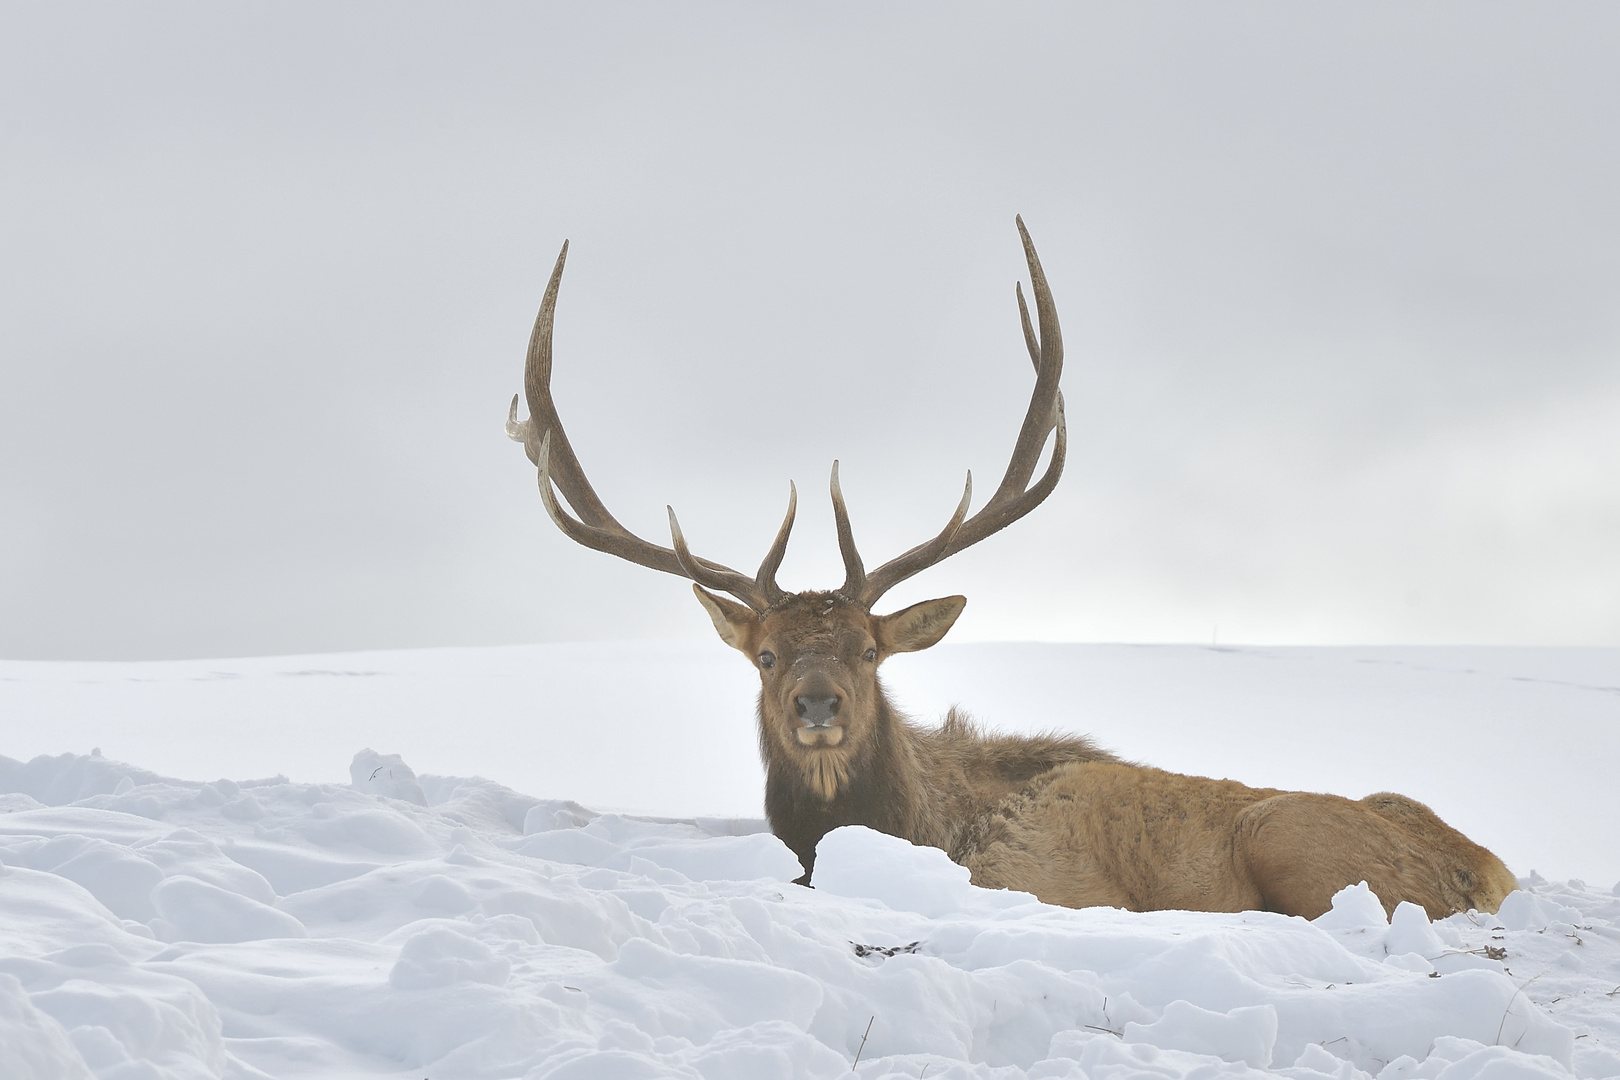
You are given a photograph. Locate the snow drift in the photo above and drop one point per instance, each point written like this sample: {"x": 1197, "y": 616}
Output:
{"x": 427, "y": 926}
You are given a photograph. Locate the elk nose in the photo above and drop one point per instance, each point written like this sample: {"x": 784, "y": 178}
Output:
{"x": 816, "y": 710}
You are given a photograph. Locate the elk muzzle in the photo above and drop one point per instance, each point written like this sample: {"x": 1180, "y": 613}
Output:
{"x": 816, "y": 703}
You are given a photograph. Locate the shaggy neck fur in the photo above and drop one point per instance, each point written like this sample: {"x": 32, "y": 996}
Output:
{"x": 929, "y": 786}
{"x": 826, "y": 772}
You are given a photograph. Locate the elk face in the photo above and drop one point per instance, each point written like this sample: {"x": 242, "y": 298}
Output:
{"x": 817, "y": 655}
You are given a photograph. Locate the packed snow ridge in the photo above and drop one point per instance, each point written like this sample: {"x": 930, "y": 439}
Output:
{"x": 444, "y": 927}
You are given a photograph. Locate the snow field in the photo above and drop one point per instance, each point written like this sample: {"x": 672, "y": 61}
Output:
{"x": 1516, "y": 747}
{"x": 441, "y": 927}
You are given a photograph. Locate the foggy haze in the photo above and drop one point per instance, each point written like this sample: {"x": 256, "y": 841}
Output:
{"x": 1338, "y": 288}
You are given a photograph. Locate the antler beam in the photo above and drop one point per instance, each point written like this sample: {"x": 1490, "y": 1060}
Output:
{"x": 547, "y": 445}
{"x": 1014, "y": 497}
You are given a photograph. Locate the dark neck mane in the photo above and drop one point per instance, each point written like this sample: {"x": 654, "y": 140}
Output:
{"x": 883, "y": 792}
{"x": 929, "y": 786}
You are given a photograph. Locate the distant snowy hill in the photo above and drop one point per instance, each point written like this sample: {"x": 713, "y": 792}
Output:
{"x": 1518, "y": 747}
{"x": 359, "y": 919}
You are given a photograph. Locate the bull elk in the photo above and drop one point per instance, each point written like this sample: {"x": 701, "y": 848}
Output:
{"x": 1052, "y": 815}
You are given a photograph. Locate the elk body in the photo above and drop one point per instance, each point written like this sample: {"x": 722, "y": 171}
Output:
{"x": 1052, "y": 815}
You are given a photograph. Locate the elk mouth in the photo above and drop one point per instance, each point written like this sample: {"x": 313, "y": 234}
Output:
{"x": 819, "y": 734}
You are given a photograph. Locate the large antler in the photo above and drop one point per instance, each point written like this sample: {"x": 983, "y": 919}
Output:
{"x": 547, "y": 445}
{"x": 1014, "y": 497}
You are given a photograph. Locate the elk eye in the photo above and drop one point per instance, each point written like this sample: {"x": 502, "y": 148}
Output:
{"x": 767, "y": 659}
{"x": 869, "y": 655}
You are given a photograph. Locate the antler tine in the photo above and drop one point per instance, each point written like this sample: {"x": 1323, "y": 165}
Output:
{"x": 854, "y": 571}
{"x": 916, "y": 559}
{"x": 1030, "y": 341}
{"x": 711, "y": 576}
{"x": 1014, "y": 496}
{"x": 546, "y": 444}
{"x": 765, "y": 579}
{"x": 1043, "y": 413}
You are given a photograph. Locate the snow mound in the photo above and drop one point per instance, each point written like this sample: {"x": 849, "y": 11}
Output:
{"x": 856, "y": 861}
{"x": 418, "y": 925}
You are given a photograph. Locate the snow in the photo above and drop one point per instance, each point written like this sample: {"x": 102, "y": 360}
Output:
{"x": 1516, "y": 746}
{"x": 374, "y": 921}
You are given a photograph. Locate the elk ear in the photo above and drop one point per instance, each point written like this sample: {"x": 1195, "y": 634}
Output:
{"x": 731, "y": 620}
{"x": 918, "y": 626}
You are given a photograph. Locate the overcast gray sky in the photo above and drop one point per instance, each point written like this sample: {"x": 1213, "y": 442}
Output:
{"x": 1340, "y": 286}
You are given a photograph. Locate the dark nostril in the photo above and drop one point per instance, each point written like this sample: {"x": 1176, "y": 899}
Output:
{"x": 816, "y": 709}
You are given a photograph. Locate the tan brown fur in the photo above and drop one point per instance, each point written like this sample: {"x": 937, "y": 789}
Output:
{"x": 1144, "y": 839}
{"x": 1055, "y": 815}
{"x": 826, "y": 774}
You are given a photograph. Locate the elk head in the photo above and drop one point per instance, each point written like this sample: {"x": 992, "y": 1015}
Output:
{"x": 817, "y": 653}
